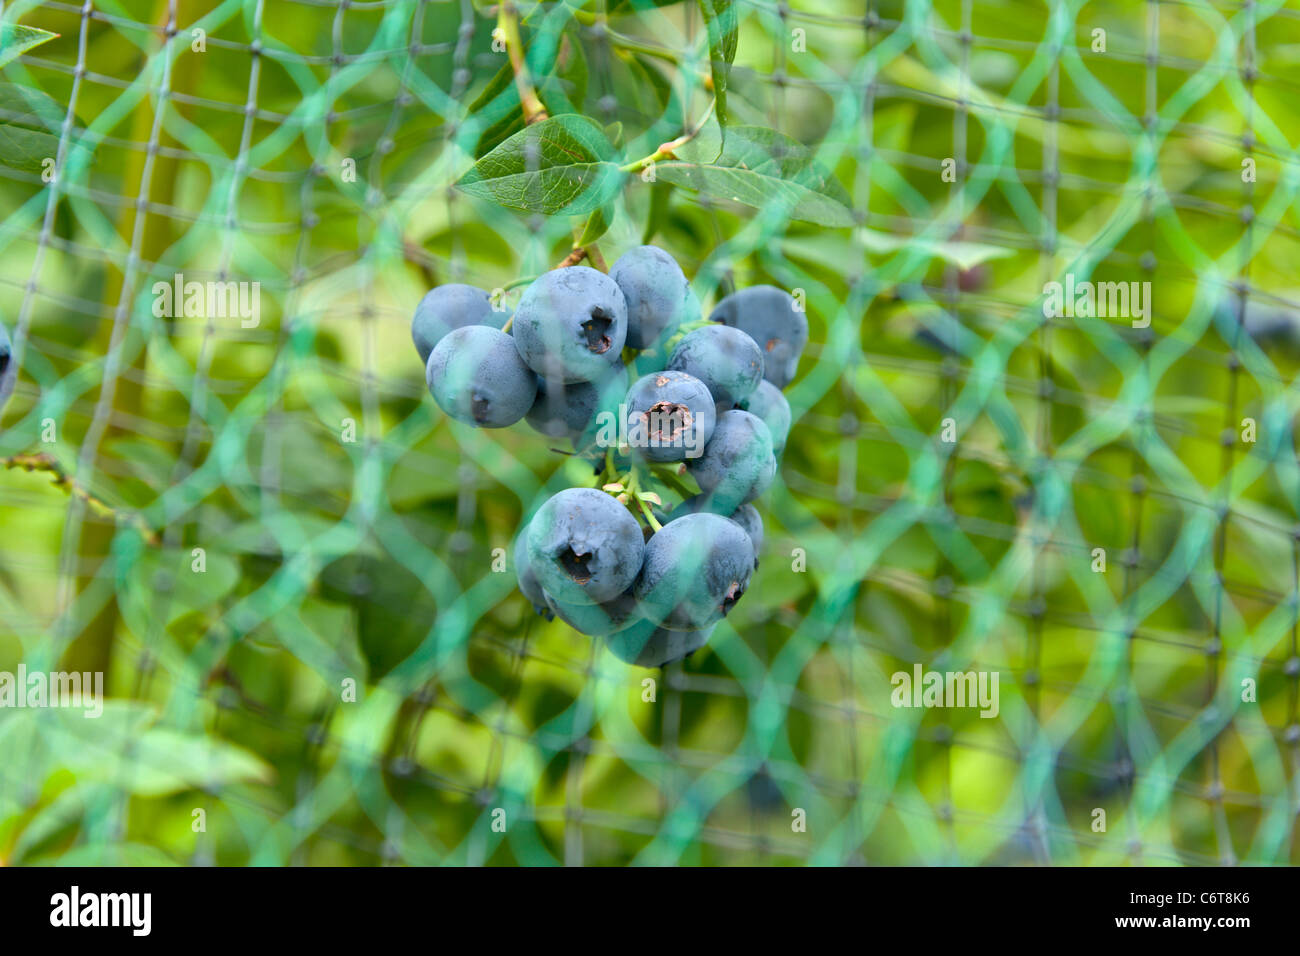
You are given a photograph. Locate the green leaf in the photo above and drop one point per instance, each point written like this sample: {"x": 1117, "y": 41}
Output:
{"x": 597, "y": 225}
{"x": 563, "y": 165}
{"x": 723, "y": 27}
{"x": 761, "y": 167}
{"x": 26, "y": 149}
{"x": 27, "y": 115}
{"x": 16, "y": 39}
{"x": 30, "y": 107}
{"x": 660, "y": 194}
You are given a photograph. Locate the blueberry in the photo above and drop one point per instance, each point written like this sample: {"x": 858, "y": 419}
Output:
{"x": 477, "y": 377}
{"x": 8, "y": 367}
{"x": 527, "y": 580}
{"x": 737, "y": 464}
{"x": 695, "y": 569}
{"x": 769, "y": 316}
{"x": 770, "y": 405}
{"x": 571, "y": 325}
{"x": 570, "y": 410}
{"x": 1275, "y": 328}
{"x": 658, "y": 296}
{"x": 448, "y": 307}
{"x": 670, "y": 416}
{"x": 644, "y": 645}
{"x": 725, "y": 359}
{"x": 584, "y": 547}
{"x": 596, "y": 620}
{"x": 746, "y": 516}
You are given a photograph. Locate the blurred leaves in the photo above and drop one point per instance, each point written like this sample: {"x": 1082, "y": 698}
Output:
{"x": 120, "y": 750}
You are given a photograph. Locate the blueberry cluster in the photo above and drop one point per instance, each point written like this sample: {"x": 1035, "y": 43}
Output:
{"x": 649, "y": 393}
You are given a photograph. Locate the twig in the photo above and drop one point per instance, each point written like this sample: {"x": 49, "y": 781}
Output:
{"x": 46, "y": 463}
{"x": 666, "y": 150}
{"x": 508, "y": 24}
{"x": 573, "y": 258}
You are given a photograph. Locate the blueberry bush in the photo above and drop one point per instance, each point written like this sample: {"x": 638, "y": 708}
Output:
{"x": 582, "y": 431}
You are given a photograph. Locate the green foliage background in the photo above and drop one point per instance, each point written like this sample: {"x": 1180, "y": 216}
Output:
{"x": 371, "y": 560}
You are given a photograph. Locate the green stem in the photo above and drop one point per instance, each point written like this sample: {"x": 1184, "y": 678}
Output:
{"x": 649, "y": 516}
{"x": 508, "y": 24}
{"x": 665, "y": 150}
{"x": 522, "y": 280}
{"x": 509, "y": 322}
{"x": 671, "y": 480}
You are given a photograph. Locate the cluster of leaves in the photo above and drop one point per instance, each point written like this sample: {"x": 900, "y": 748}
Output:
{"x": 568, "y": 164}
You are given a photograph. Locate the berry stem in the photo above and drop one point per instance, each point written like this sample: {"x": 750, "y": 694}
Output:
{"x": 573, "y": 258}
{"x": 509, "y": 322}
{"x": 669, "y": 479}
{"x": 516, "y": 283}
{"x": 508, "y": 24}
{"x": 649, "y": 515}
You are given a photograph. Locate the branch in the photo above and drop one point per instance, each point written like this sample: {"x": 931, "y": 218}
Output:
{"x": 573, "y": 258}
{"x": 46, "y": 463}
{"x": 508, "y": 25}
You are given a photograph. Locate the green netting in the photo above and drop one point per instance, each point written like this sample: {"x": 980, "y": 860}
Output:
{"x": 348, "y": 529}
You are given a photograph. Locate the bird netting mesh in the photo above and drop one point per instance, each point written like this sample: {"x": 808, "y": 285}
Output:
{"x": 238, "y": 518}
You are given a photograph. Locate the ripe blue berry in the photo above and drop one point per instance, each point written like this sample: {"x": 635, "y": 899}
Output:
{"x": 769, "y": 404}
{"x": 570, "y": 410}
{"x": 584, "y": 547}
{"x": 597, "y": 620}
{"x": 644, "y": 645}
{"x": 477, "y": 377}
{"x": 8, "y": 367}
{"x": 447, "y": 307}
{"x": 737, "y": 464}
{"x": 746, "y": 516}
{"x": 571, "y": 325}
{"x": 695, "y": 569}
{"x": 1274, "y": 328}
{"x": 768, "y": 315}
{"x": 726, "y": 360}
{"x": 670, "y": 416}
{"x": 658, "y": 296}
{"x": 527, "y": 580}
